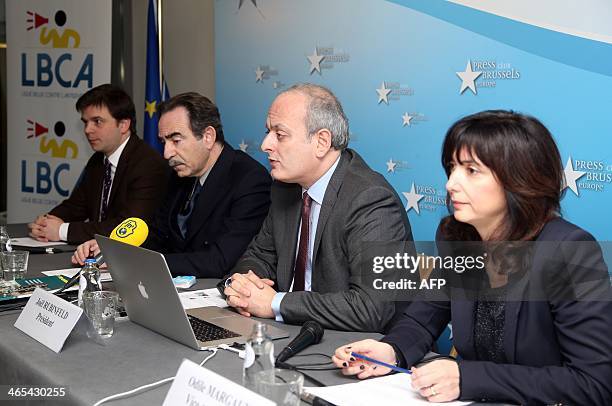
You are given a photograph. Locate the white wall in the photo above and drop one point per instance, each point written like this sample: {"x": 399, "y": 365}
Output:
{"x": 586, "y": 18}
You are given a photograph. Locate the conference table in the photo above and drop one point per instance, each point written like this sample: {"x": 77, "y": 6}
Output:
{"x": 134, "y": 356}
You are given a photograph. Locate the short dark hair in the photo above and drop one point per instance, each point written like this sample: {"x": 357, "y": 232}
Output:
{"x": 114, "y": 98}
{"x": 202, "y": 113}
{"x": 523, "y": 156}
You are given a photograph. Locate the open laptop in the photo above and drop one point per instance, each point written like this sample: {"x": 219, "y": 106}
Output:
{"x": 144, "y": 283}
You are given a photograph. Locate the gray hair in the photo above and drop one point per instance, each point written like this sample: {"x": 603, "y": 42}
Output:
{"x": 324, "y": 111}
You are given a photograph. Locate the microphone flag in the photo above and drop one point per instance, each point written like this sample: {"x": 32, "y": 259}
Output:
{"x": 156, "y": 89}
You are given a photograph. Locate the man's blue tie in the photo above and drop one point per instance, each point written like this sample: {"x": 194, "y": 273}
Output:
{"x": 105, "y": 189}
{"x": 187, "y": 208}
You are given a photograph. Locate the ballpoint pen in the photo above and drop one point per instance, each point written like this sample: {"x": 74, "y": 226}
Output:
{"x": 40, "y": 250}
{"x": 384, "y": 364}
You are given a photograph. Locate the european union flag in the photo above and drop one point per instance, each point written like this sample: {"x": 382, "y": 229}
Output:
{"x": 153, "y": 86}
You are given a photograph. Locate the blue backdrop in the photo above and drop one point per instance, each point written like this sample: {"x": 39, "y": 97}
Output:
{"x": 405, "y": 71}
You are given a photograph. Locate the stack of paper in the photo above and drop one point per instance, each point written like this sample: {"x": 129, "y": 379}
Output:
{"x": 388, "y": 390}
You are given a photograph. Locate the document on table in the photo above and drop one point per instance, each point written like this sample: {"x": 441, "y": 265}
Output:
{"x": 388, "y": 390}
{"x": 202, "y": 298}
{"x": 30, "y": 242}
{"x": 105, "y": 276}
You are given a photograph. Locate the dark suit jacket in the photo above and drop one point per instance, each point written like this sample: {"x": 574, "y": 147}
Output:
{"x": 557, "y": 351}
{"x": 228, "y": 212}
{"x": 138, "y": 187}
{"x": 359, "y": 207}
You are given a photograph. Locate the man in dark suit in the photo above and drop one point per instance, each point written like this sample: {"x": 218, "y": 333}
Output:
{"x": 327, "y": 204}
{"x": 217, "y": 198}
{"x": 123, "y": 178}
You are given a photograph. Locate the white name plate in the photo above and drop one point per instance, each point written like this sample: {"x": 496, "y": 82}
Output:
{"x": 197, "y": 386}
{"x": 48, "y": 319}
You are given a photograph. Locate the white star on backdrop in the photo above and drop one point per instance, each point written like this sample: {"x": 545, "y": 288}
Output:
{"x": 259, "y": 74}
{"x": 241, "y": 2}
{"x": 315, "y": 61}
{"x": 468, "y": 76}
{"x": 413, "y": 199}
{"x": 383, "y": 93}
{"x": 406, "y": 119}
{"x": 571, "y": 176}
{"x": 254, "y": 3}
{"x": 243, "y": 146}
{"x": 391, "y": 165}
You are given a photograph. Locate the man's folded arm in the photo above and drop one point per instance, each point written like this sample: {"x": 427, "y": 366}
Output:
{"x": 74, "y": 208}
{"x": 354, "y": 310}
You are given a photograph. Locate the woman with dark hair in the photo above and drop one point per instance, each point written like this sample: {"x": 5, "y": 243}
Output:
{"x": 518, "y": 338}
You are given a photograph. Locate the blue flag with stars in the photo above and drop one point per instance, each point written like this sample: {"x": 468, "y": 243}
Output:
{"x": 153, "y": 86}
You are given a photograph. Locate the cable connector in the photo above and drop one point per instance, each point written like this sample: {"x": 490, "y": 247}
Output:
{"x": 241, "y": 353}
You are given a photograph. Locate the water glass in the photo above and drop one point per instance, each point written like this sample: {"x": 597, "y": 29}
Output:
{"x": 14, "y": 264}
{"x": 101, "y": 309}
{"x": 283, "y": 386}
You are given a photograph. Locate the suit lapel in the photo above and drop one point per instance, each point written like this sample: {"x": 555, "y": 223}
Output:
{"x": 121, "y": 167}
{"x": 463, "y": 315}
{"x": 329, "y": 200}
{"x": 98, "y": 173}
{"x": 214, "y": 188}
{"x": 287, "y": 226}
{"x": 516, "y": 292}
{"x": 182, "y": 192}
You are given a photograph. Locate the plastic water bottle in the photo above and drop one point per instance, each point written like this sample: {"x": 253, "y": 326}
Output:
{"x": 5, "y": 246}
{"x": 259, "y": 356}
{"x": 89, "y": 281}
{"x": 5, "y": 240}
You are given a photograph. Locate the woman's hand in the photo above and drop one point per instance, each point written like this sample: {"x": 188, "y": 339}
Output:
{"x": 350, "y": 365}
{"x": 438, "y": 381}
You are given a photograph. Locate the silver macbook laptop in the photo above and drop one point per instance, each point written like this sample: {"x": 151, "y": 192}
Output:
{"x": 144, "y": 283}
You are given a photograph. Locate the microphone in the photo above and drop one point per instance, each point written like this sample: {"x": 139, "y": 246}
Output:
{"x": 133, "y": 231}
{"x": 311, "y": 333}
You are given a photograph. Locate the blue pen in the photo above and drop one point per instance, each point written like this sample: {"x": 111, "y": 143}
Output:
{"x": 384, "y": 364}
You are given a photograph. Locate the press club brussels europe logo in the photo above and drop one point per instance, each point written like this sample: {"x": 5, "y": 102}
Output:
{"x": 424, "y": 197}
{"x": 587, "y": 174}
{"x": 485, "y": 73}
{"x": 325, "y": 58}
{"x": 392, "y": 91}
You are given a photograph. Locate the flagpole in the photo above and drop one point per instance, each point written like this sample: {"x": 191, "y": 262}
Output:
{"x": 160, "y": 45}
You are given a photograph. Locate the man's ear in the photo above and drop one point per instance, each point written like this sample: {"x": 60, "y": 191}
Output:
{"x": 209, "y": 136}
{"x": 323, "y": 139}
{"x": 124, "y": 125}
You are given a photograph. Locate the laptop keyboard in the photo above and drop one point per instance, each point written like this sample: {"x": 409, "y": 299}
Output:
{"x": 205, "y": 331}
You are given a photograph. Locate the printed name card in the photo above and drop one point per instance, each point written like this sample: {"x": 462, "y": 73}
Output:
{"x": 48, "y": 319}
{"x": 195, "y": 385}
